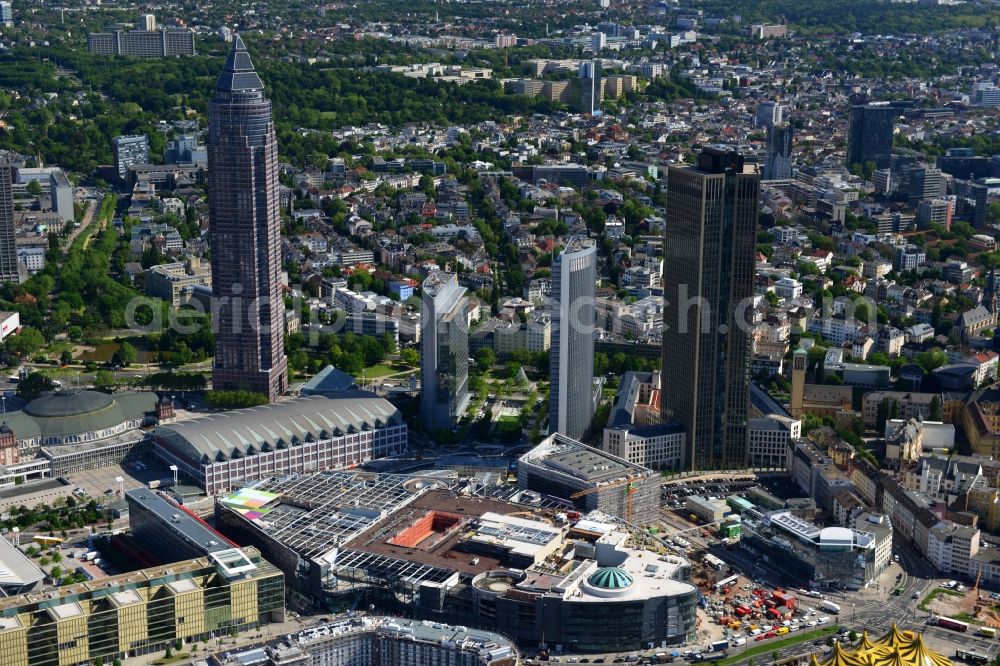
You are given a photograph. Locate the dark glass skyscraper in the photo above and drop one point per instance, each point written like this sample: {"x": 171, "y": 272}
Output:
{"x": 708, "y": 281}
{"x": 245, "y": 233}
{"x": 778, "y": 164}
{"x": 8, "y": 249}
{"x": 444, "y": 390}
{"x": 870, "y": 135}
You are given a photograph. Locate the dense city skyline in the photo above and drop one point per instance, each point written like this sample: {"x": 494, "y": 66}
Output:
{"x": 500, "y": 334}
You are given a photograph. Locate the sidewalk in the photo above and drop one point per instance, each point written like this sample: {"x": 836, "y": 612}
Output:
{"x": 226, "y": 644}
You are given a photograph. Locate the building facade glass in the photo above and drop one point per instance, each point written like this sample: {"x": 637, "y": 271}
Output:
{"x": 571, "y": 358}
{"x": 244, "y": 233}
{"x": 708, "y": 287}
{"x": 445, "y": 361}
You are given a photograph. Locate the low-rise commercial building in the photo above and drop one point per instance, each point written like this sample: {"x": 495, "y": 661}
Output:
{"x": 830, "y": 557}
{"x": 709, "y": 511}
{"x": 310, "y": 433}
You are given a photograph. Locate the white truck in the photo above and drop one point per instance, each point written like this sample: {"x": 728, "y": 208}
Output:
{"x": 829, "y": 606}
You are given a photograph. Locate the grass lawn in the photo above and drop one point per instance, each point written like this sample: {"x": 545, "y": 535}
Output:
{"x": 507, "y": 423}
{"x": 506, "y": 429}
{"x": 383, "y": 370}
{"x": 181, "y": 656}
{"x": 769, "y": 646}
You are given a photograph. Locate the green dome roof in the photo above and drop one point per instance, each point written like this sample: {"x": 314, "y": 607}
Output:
{"x": 68, "y": 403}
{"x": 610, "y": 578}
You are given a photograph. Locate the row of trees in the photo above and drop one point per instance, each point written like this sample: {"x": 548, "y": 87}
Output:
{"x": 846, "y": 16}
{"x": 349, "y": 352}
{"x": 235, "y": 399}
{"x": 174, "y": 381}
{"x": 54, "y": 519}
{"x": 76, "y": 292}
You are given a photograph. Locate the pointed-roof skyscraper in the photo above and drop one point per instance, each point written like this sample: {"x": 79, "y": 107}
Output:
{"x": 244, "y": 231}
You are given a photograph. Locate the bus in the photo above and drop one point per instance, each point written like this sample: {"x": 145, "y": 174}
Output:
{"x": 971, "y": 657}
{"x": 43, "y": 540}
{"x": 953, "y": 624}
{"x": 988, "y": 632}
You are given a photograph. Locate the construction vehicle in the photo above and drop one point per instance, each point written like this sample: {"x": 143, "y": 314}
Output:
{"x": 628, "y": 483}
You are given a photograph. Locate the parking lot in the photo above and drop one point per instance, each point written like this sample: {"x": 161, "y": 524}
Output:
{"x": 97, "y": 482}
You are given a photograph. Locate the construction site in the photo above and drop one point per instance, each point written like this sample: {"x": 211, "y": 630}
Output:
{"x": 594, "y": 480}
{"x": 964, "y": 609}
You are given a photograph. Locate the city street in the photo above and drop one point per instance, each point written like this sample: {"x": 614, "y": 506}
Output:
{"x": 874, "y": 609}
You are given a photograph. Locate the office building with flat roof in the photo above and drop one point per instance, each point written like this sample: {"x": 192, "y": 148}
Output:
{"x": 169, "y": 530}
{"x": 830, "y": 557}
{"x": 769, "y": 440}
{"x": 142, "y": 43}
{"x": 592, "y": 479}
{"x": 61, "y": 195}
{"x": 142, "y": 611}
{"x": 634, "y": 431}
{"x": 129, "y": 150}
{"x": 571, "y": 356}
{"x": 869, "y": 137}
{"x": 708, "y": 282}
{"x": 444, "y": 365}
{"x": 171, "y": 282}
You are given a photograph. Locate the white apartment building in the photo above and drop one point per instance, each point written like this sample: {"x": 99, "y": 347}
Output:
{"x": 769, "y": 437}
{"x": 835, "y": 329}
{"x": 788, "y": 287}
{"x": 535, "y": 335}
